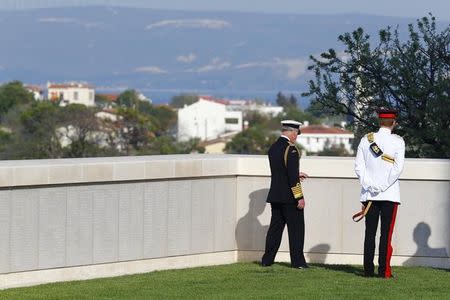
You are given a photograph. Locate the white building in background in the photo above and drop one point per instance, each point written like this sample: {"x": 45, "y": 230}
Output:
{"x": 37, "y": 91}
{"x": 315, "y": 138}
{"x": 71, "y": 93}
{"x": 207, "y": 119}
{"x": 250, "y": 105}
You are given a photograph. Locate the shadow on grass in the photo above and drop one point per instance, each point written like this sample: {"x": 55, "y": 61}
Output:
{"x": 283, "y": 264}
{"x": 357, "y": 271}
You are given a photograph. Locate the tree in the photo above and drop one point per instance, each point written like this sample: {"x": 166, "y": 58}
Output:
{"x": 179, "y": 101}
{"x": 13, "y": 94}
{"x": 318, "y": 110}
{"x": 129, "y": 99}
{"x": 102, "y": 101}
{"x": 134, "y": 130}
{"x": 334, "y": 150}
{"x": 255, "y": 118}
{"x": 6, "y": 139}
{"x": 295, "y": 113}
{"x": 410, "y": 76}
{"x": 166, "y": 144}
{"x": 254, "y": 140}
{"x": 193, "y": 145}
{"x": 80, "y": 127}
{"x": 163, "y": 117}
{"x": 36, "y": 135}
{"x": 286, "y": 101}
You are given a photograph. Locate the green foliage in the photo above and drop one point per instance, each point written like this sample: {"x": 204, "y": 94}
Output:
{"x": 88, "y": 148}
{"x": 295, "y": 113}
{"x": 250, "y": 281}
{"x": 168, "y": 145}
{"x": 45, "y": 130}
{"x": 190, "y": 146}
{"x": 37, "y": 135}
{"x": 334, "y": 150}
{"x": 411, "y": 76}
{"x": 13, "y": 94}
{"x": 264, "y": 130}
{"x": 255, "y": 118}
{"x": 134, "y": 130}
{"x": 5, "y": 140}
{"x": 129, "y": 99}
{"x": 291, "y": 111}
{"x": 318, "y": 110}
{"x": 286, "y": 101}
{"x": 101, "y": 101}
{"x": 163, "y": 117}
{"x": 179, "y": 101}
{"x": 255, "y": 140}
{"x": 80, "y": 128}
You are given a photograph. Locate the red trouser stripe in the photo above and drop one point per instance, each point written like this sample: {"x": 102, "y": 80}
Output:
{"x": 388, "y": 272}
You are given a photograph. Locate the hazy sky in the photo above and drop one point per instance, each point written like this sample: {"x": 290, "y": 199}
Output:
{"x": 403, "y": 8}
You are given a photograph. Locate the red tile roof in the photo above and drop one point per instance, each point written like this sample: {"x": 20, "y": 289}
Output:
{"x": 68, "y": 85}
{"x": 110, "y": 97}
{"x": 212, "y": 99}
{"x": 34, "y": 88}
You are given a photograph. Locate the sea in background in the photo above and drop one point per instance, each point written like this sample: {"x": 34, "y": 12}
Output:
{"x": 161, "y": 96}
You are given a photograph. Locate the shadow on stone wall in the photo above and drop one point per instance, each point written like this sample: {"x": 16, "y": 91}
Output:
{"x": 421, "y": 234}
{"x": 250, "y": 233}
{"x": 318, "y": 253}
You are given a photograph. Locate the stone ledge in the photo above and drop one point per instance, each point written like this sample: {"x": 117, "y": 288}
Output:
{"x": 22, "y": 279}
{"x": 135, "y": 168}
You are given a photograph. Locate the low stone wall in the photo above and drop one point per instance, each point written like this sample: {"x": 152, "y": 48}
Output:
{"x": 85, "y": 218}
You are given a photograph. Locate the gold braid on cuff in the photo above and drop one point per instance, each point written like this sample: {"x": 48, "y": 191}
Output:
{"x": 297, "y": 191}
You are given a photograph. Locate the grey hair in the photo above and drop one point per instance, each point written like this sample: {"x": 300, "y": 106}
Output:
{"x": 287, "y": 128}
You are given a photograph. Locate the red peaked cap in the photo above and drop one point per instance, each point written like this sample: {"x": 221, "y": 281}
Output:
{"x": 385, "y": 113}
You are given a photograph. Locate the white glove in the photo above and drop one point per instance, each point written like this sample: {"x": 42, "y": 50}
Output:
{"x": 374, "y": 190}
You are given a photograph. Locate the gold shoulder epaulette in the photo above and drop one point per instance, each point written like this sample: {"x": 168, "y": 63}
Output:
{"x": 286, "y": 152}
{"x": 370, "y": 137}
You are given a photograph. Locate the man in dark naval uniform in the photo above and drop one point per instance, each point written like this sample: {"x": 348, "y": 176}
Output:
{"x": 286, "y": 197}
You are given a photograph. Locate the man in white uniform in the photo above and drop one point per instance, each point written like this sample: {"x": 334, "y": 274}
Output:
{"x": 379, "y": 163}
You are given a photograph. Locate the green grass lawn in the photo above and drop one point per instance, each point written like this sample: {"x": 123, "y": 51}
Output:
{"x": 249, "y": 280}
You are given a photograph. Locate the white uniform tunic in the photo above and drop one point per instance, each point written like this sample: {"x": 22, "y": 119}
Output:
{"x": 379, "y": 178}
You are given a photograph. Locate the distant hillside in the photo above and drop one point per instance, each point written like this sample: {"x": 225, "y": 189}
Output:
{"x": 166, "y": 52}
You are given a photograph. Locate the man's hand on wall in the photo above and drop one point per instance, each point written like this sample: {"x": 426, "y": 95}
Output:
{"x": 302, "y": 176}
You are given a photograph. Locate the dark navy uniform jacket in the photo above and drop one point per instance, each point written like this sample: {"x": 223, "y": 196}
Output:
{"x": 285, "y": 184}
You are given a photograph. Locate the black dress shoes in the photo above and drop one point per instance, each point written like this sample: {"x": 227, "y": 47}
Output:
{"x": 301, "y": 267}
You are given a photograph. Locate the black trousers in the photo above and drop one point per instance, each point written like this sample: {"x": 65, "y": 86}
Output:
{"x": 283, "y": 214}
{"x": 386, "y": 211}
